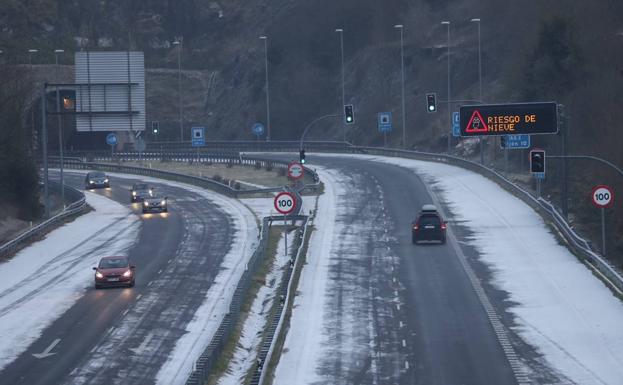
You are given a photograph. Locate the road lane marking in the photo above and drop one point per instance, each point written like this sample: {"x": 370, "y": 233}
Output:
{"x": 126, "y": 312}
{"x": 406, "y": 364}
{"x": 150, "y": 282}
{"x": 401, "y": 324}
{"x": 404, "y": 343}
{"x": 160, "y": 271}
{"x": 46, "y": 352}
{"x": 141, "y": 348}
{"x": 139, "y": 296}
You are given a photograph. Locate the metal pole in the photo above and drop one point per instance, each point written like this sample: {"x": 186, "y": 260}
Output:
{"x": 265, "y": 38}
{"x": 565, "y": 204}
{"x": 402, "y": 72}
{"x": 341, "y": 31}
{"x": 447, "y": 23}
{"x": 44, "y": 143}
{"x": 60, "y": 128}
{"x": 603, "y": 231}
{"x": 178, "y": 42}
{"x": 285, "y": 233}
{"x": 482, "y": 145}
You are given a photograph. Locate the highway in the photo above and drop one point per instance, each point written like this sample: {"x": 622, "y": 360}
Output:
{"x": 125, "y": 335}
{"x": 401, "y": 313}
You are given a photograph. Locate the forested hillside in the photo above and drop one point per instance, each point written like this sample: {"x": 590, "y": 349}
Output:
{"x": 567, "y": 51}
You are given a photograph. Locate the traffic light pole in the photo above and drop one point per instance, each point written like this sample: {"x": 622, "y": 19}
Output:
{"x": 311, "y": 124}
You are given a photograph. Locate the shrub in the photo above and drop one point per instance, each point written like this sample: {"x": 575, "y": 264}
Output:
{"x": 269, "y": 166}
{"x": 217, "y": 178}
{"x": 258, "y": 165}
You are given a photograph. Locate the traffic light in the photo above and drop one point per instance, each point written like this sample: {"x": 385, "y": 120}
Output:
{"x": 302, "y": 156}
{"x": 154, "y": 127}
{"x": 537, "y": 161}
{"x": 349, "y": 114}
{"x": 431, "y": 102}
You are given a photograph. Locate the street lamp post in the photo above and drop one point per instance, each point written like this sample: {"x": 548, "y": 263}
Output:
{"x": 178, "y": 43}
{"x": 402, "y": 72}
{"x": 447, "y": 23}
{"x": 477, "y": 21}
{"x": 60, "y": 125}
{"x": 341, "y": 32}
{"x": 265, "y": 38}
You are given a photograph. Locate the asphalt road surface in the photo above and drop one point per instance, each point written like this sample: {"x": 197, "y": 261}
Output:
{"x": 110, "y": 337}
{"x": 408, "y": 314}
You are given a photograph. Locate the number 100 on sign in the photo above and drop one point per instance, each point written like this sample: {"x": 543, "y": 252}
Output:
{"x": 285, "y": 203}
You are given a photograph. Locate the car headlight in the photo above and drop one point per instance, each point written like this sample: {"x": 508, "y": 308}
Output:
{"x": 151, "y": 192}
{"x": 106, "y": 180}
{"x": 133, "y": 193}
{"x": 163, "y": 203}
{"x": 128, "y": 273}
{"x": 92, "y": 182}
{"x": 99, "y": 275}
{"x": 146, "y": 203}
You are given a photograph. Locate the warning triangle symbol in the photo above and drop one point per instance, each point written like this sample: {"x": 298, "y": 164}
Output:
{"x": 476, "y": 123}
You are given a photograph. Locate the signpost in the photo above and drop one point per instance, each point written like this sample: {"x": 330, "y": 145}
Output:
{"x": 513, "y": 142}
{"x": 285, "y": 203}
{"x": 384, "y": 124}
{"x": 456, "y": 124}
{"x": 603, "y": 196}
{"x": 111, "y": 140}
{"x": 257, "y": 130}
{"x": 198, "y": 136}
{"x": 509, "y": 119}
{"x": 295, "y": 170}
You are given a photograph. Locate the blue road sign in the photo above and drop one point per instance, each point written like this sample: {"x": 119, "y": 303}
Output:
{"x": 456, "y": 127}
{"x": 257, "y": 129}
{"x": 539, "y": 175}
{"x": 111, "y": 139}
{"x": 198, "y": 136}
{"x": 385, "y": 121}
{"x": 515, "y": 141}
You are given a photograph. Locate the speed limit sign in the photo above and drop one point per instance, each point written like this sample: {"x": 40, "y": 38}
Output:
{"x": 295, "y": 170}
{"x": 285, "y": 203}
{"x": 603, "y": 196}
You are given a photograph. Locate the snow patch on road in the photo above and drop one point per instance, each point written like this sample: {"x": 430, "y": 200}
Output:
{"x": 561, "y": 308}
{"x": 45, "y": 279}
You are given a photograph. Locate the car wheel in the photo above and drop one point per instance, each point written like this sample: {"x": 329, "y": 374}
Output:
{"x": 414, "y": 240}
{"x": 165, "y": 210}
{"x": 131, "y": 284}
{"x": 443, "y": 240}
{"x": 144, "y": 211}
{"x": 98, "y": 286}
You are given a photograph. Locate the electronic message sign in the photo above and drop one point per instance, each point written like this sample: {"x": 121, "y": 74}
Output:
{"x": 509, "y": 119}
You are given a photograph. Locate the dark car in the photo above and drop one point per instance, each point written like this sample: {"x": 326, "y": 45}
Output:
{"x": 155, "y": 204}
{"x": 96, "y": 179}
{"x": 140, "y": 191}
{"x": 114, "y": 271}
{"x": 429, "y": 226}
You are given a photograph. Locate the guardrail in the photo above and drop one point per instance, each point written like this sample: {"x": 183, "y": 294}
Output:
{"x": 177, "y": 177}
{"x": 276, "y": 323}
{"x": 75, "y": 207}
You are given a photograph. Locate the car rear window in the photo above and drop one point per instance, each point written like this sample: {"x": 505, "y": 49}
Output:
{"x": 429, "y": 220}
{"x": 113, "y": 263}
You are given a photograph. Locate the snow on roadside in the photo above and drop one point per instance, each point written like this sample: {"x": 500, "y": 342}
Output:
{"x": 251, "y": 336}
{"x": 570, "y": 316}
{"x": 304, "y": 341}
{"x": 43, "y": 280}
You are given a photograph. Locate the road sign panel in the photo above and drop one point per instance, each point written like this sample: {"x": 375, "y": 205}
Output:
{"x": 285, "y": 203}
{"x": 456, "y": 126}
{"x": 539, "y": 175}
{"x": 602, "y": 196}
{"x": 198, "y": 136}
{"x": 295, "y": 170}
{"x": 111, "y": 139}
{"x": 385, "y": 121}
{"x": 515, "y": 141}
{"x": 509, "y": 119}
{"x": 257, "y": 129}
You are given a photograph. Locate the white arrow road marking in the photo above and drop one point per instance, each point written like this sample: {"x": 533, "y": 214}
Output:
{"x": 46, "y": 352}
{"x": 143, "y": 345}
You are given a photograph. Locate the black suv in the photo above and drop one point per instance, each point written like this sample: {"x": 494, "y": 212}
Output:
{"x": 96, "y": 179}
{"x": 155, "y": 204}
{"x": 429, "y": 226}
{"x": 140, "y": 191}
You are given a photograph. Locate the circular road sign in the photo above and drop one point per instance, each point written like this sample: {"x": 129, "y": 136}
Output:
{"x": 602, "y": 196}
{"x": 258, "y": 129}
{"x": 111, "y": 139}
{"x": 295, "y": 170}
{"x": 285, "y": 203}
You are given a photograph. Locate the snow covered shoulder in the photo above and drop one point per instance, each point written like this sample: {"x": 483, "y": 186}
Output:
{"x": 45, "y": 279}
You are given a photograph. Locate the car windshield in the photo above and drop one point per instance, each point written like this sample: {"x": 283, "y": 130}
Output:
{"x": 112, "y": 263}
{"x": 97, "y": 174}
{"x": 141, "y": 186}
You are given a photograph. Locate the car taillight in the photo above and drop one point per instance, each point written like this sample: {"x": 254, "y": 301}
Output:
{"x": 415, "y": 227}
{"x": 443, "y": 226}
